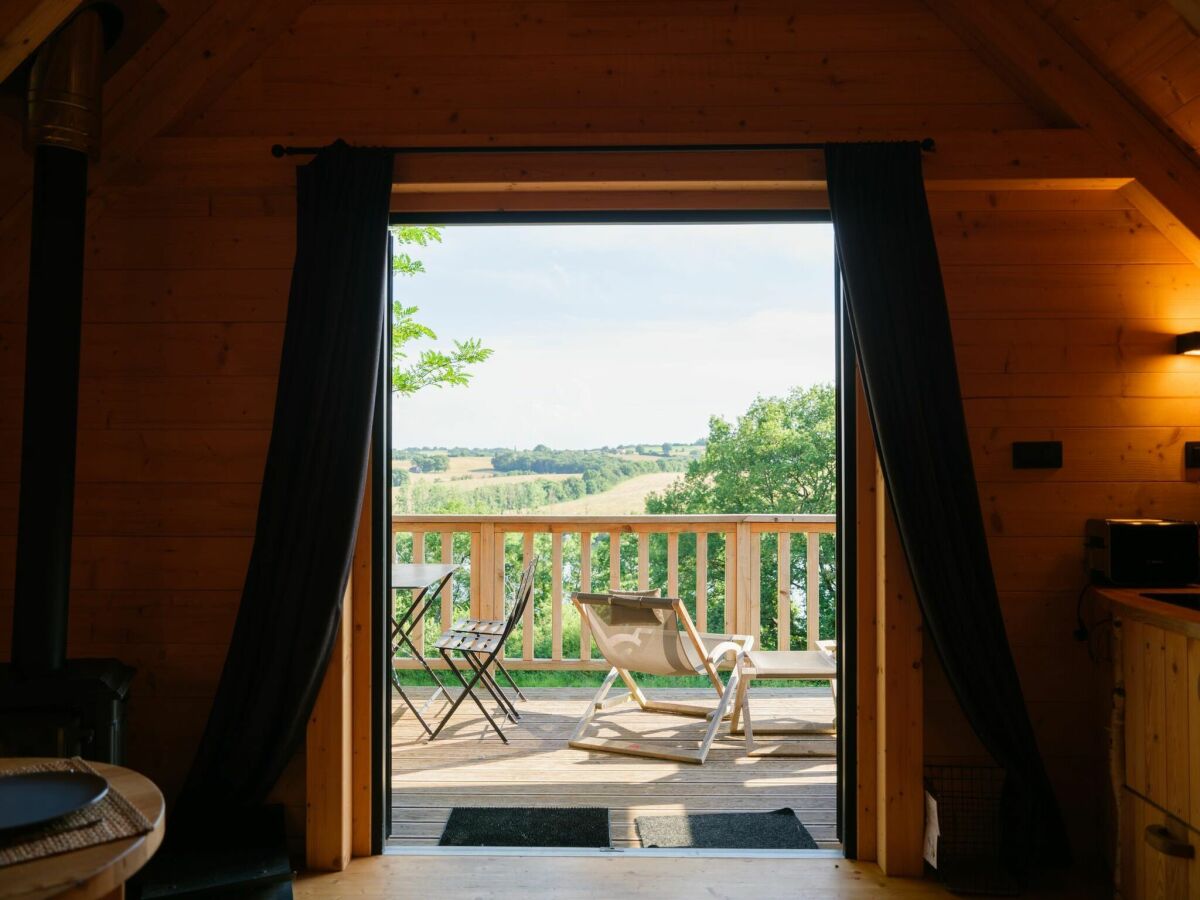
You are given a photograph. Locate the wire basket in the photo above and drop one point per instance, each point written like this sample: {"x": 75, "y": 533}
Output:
{"x": 969, "y": 843}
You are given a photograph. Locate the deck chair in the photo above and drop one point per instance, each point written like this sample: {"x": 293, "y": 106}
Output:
{"x": 638, "y": 632}
{"x": 480, "y": 651}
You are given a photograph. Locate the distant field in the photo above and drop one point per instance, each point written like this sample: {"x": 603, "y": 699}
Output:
{"x": 469, "y": 472}
{"x": 465, "y": 470}
{"x": 627, "y": 498}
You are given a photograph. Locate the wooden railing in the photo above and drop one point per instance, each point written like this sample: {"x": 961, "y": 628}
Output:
{"x": 723, "y": 575}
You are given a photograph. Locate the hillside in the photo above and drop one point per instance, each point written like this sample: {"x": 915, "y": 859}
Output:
{"x": 605, "y": 481}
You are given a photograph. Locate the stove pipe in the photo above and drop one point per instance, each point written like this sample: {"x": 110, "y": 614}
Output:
{"x": 63, "y": 130}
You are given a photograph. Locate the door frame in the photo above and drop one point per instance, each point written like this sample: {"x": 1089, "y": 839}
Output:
{"x": 847, "y": 542}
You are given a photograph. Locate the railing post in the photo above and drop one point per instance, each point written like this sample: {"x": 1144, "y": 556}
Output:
{"x": 556, "y": 595}
{"x": 527, "y": 648}
{"x": 754, "y": 597}
{"x": 745, "y": 577}
{"x": 585, "y": 586}
{"x": 673, "y": 564}
{"x": 643, "y": 576}
{"x": 731, "y": 580}
{"x": 812, "y": 633}
{"x": 448, "y": 590}
{"x": 614, "y": 560}
{"x": 499, "y": 557}
{"x": 483, "y": 569}
{"x": 418, "y": 557}
{"x": 702, "y": 580}
{"x": 783, "y": 585}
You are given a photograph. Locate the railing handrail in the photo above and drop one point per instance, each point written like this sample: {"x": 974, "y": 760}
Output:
{"x": 638, "y": 519}
{"x": 742, "y": 535}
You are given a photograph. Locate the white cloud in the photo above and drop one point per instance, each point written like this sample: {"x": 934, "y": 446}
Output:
{"x": 634, "y": 335}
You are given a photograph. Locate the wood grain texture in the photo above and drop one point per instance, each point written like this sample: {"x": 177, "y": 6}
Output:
{"x": 1064, "y": 302}
{"x": 329, "y": 778}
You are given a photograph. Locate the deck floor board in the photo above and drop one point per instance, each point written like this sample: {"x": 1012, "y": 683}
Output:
{"x": 469, "y": 766}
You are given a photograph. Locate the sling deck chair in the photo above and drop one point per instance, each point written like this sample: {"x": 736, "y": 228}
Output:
{"x": 480, "y": 650}
{"x": 638, "y": 632}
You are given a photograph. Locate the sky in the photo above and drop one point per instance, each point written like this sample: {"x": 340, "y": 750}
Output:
{"x": 617, "y": 334}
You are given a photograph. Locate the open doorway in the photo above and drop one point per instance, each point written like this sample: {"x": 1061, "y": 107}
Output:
{"x": 649, "y": 403}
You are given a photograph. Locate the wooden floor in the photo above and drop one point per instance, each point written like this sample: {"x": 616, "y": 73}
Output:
{"x": 469, "y": 766}
{"x": 533, "y": 877}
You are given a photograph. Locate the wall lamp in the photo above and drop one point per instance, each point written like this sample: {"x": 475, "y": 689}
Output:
{"x": 1188, "y": 344}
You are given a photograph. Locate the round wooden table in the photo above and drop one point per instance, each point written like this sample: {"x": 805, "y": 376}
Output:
{"x": 99, "y": 871}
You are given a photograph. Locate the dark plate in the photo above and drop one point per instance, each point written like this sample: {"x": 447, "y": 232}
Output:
{"x": 39, "y": 797}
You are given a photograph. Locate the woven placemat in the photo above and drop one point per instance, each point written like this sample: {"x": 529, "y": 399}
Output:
{"x": 113, "y": 818}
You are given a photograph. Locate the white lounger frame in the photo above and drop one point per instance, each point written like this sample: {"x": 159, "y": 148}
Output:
{"x": 733, "y": 692}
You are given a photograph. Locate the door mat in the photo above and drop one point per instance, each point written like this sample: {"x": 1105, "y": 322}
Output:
{"x": 778, "y": 830}
{"x": 526, "y": 826}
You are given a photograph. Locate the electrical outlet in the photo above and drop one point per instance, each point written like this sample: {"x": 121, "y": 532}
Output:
{"x": 1037, "y": 455}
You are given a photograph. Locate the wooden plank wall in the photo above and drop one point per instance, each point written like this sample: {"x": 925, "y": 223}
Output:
{"x": 1064, "y": 303}
{"x": 1065, "y": 307}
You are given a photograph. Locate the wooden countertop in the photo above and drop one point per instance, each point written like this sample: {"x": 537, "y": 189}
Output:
{"x": 1164, "y": 615}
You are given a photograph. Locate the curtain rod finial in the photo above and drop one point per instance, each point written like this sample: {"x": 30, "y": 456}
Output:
{"x": 278, "y": 151}
{"x": 928, "y": 145}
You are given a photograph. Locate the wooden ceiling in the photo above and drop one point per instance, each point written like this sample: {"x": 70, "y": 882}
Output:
{"x": 1125, "y": 71}
{"x": 1149, "y": 48}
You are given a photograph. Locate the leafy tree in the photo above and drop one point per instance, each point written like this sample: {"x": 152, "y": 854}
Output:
{"x": 779, "y": 457}
{"x": 430, "y": 367}
{"x": 430, "y": 462}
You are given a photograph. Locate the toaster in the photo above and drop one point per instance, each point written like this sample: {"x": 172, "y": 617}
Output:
{"x": 1143, "y": 552}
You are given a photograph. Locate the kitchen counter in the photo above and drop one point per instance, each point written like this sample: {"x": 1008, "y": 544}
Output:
{"x": 1154, "y": 733}
{"x": 1132, "y": 605}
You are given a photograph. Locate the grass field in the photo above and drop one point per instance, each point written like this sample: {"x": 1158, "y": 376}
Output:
{"x": 626, "y": 498}
{"x": 466, "y": 472}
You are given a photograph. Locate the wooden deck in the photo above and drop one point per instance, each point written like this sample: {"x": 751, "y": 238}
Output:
{"x": 469, "y": 766}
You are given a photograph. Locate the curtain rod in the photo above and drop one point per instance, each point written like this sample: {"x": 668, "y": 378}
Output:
{"x": 281, "y": 150}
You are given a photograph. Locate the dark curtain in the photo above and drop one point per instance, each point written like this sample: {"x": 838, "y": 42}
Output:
{"x": 901, "y": 332}
{"x": 312, "y": 483}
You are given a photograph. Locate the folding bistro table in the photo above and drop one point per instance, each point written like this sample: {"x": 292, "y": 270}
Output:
{"x": 427, "y": 579}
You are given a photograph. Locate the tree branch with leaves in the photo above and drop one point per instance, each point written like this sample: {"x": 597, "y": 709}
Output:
{"x": 430, "y": 367}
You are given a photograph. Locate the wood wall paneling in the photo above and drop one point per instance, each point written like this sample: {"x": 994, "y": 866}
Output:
{"x": 1064, "y": 303}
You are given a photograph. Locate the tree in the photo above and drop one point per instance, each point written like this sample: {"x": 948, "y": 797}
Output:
{"x": 431, "y": 367}
{"x": 779, "y": 457}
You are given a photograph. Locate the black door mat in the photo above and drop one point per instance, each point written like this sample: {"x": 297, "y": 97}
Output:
{"x": 526, "y": 826}
{"x": 778, "y": 830}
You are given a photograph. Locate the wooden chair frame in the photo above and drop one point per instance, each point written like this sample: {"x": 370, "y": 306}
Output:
{"x": 733, "y": 692}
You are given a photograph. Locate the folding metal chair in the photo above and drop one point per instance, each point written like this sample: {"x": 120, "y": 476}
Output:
{"x": 481, "y": 650}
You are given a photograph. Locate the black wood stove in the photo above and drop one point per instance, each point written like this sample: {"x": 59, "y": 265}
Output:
{"x": 49, "y": 705}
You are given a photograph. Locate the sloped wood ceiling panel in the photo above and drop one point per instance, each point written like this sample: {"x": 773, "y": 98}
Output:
{"x": 1146, "y": 47}
{"x": 498, "y": 70}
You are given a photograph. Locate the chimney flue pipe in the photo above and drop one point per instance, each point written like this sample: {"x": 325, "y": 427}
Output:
{"x": 62, "y": 131}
